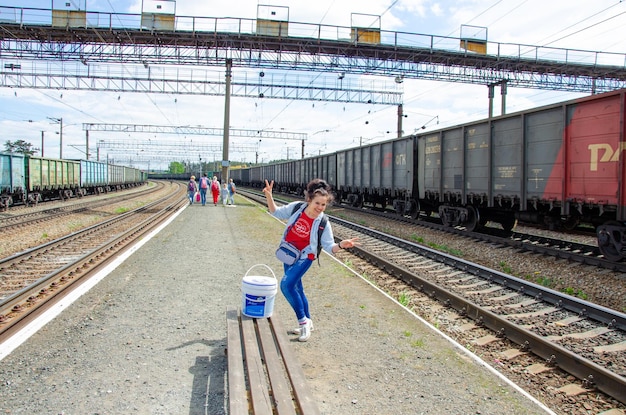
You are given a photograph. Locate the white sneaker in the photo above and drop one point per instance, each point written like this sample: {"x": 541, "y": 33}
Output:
{"x": 298, "y": 331}
{"x": 305, "y": 331}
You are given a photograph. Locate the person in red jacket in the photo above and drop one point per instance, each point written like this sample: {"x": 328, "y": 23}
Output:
{"x": 215, "y": 190}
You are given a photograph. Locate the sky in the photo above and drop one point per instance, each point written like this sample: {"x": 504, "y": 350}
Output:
{"x": 573, "y": 24}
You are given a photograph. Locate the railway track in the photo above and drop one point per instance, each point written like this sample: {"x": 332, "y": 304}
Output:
{"x": 12, "y": 221}
{"x": 35, "y": 279}
{"x": 579, "y": 252}
{"x": 500, "y": 312}
{"x": 581, "y": 338}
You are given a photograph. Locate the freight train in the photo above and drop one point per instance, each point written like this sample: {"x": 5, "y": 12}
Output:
{"x": 559, "y": 165}
{"x": 29, "y": 179}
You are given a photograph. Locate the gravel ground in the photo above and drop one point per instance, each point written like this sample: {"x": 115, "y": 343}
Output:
{"x": 150, "y": 337}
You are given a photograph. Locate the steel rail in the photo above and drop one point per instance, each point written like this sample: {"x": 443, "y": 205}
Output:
{"x": 47, "y": 214}
{"x": 15, "y": 309}
{"x": 590, "y": 373}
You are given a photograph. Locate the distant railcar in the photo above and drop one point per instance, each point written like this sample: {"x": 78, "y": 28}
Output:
{"x": 257, "y": 176}
{"x": 52, "y": 178}
{"x": 13, "y": 185}
{"x": 31, "y": 179}
{"x": 241, "y": 176}
{"x": 94, "y": 177}
{"x": 170, "y": 176}
{"x": 379, "y": 174}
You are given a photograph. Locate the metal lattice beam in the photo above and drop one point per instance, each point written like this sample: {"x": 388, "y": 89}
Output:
{"x": 308, "y": 47}
{"x": 189, "y": 130}
{"x": 197, "y": 81}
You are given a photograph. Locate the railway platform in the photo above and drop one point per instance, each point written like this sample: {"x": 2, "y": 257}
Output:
{"x": 150, "y": 336}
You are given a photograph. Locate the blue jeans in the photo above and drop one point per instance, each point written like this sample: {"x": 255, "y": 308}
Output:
{"x": 190, "y": 195}
{"x": 292, "y": 289}
{"x": 203, "y": 196}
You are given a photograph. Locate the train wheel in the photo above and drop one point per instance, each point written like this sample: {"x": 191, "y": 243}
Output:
{"x": 610, "y": 240}
{"x": 508, "y": 224}
{"x": 571, "y": 223}
{"x": 414, "y": 211}
{"x": 473, "y": 219}
{"x": 445, "y": 216}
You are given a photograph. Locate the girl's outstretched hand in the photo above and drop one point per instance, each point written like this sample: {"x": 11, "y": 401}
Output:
{"x": 349, "y": 243}
{"x": 268, "y": 187}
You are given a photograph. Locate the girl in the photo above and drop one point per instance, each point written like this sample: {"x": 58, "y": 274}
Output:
{"x": 224, "y": 194}
{"x": 192, "y": 188}
{"x": 215, "y": 190}
{"x": 301, "y": 232}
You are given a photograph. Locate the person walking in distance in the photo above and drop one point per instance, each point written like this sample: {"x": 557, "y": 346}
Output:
{"x": 192, "y": 188}
{"x": 231, "y": 192}
{"x": 204, "y": 186}
{"x": 303, "y": 222}
{"x": 215, "y": 190}
{"x": 225, "y": 194}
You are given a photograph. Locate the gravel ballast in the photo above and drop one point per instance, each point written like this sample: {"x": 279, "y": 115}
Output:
{"x": 150, "y": 338}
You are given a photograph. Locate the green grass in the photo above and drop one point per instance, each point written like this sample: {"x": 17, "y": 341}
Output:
{"x": 544, "y": 281}
{"x": 404, "y": 299}
{"x": 446, "y": 249}
{"x": 575, "y": 293}
{"x": 418, "y": 343}
{"x": 74, "y": 226}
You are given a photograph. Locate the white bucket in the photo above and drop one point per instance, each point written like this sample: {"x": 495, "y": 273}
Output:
{"x": 258, "y": 293}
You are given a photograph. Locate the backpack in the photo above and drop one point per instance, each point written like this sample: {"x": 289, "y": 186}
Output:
{"x": 215, "y": 186}
{"x": 191, "y": 186}
{"x": 320, "y": 230}
{"x": 203, "y": 182}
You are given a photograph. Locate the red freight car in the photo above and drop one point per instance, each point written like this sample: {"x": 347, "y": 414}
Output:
{"x": 593, "y": 181}
{"x": 559, "y": 165}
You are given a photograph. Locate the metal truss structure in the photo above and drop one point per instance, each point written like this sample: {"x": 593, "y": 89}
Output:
{"x": 94, "y": 76}
{"x": 144, "y": 152}
{"x": 190, "y": 130}
{"x": 287, "y": 46}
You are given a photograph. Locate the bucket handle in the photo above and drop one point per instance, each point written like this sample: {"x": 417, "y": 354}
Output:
{"x": 261, "y": 265}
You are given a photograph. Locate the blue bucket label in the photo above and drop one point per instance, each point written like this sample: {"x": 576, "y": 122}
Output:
{"x": 254, "y": 305}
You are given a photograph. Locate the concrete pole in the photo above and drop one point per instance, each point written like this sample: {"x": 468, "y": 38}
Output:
{"x": 490, "y": 100}
{"x": 61, "y": 137}
{"x": 400, "y": 116}
{"x": 503, "y": 91}
{"x": 229, "y": 65}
